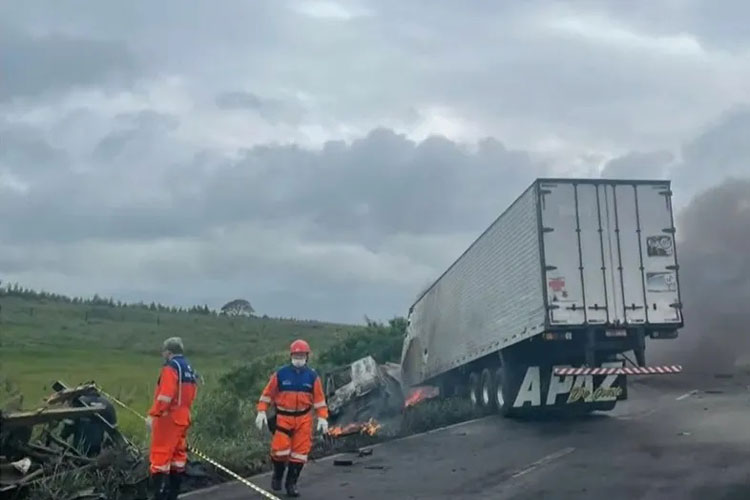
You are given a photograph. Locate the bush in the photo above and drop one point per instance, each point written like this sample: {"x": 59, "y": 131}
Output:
{"x": 224, "y": 428}
{"x": 382, "y": 342}
{"x": 247, "y": 381}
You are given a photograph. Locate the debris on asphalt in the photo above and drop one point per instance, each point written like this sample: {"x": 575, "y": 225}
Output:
{"x": 365, "y": 452}
{"x": 343, "y": 462}
{"x": 683, "y": 433}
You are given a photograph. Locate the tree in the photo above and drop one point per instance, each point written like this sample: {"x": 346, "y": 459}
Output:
{"x": 237, "y": 307}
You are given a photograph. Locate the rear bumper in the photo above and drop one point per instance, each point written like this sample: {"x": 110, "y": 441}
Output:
{"x": 635, "y": 370}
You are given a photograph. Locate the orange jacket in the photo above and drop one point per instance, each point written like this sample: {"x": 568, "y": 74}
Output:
{"x": 175, "y": 391}
{"x": 294, "y": 391}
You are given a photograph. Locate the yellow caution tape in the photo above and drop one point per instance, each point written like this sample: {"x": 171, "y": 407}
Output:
{"x": 197, "y": 453}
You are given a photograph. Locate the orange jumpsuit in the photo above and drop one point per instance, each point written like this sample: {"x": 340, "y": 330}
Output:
{"x": 295, "y": 392}
{"x": 173, "y": 397}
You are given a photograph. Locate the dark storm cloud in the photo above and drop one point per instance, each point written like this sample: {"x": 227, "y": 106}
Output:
{"x": 378, "y": 185}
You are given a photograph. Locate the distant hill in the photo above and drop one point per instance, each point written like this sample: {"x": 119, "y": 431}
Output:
{"x": 45, "y": 336}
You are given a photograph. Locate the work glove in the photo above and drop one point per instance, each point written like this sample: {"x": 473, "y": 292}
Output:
{"x": 149, "y": 423}
{"x": 261, "y": 420}
{"x": 323, "y": 425}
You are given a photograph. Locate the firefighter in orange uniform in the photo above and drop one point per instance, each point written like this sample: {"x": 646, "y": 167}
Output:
{"x": 169, "y": 419}
{"x": 297, "y": 392}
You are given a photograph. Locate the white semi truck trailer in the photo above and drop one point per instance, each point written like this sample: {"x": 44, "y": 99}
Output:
{"x": 552, "y": 305}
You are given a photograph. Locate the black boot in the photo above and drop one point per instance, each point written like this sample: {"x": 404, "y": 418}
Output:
{"x": 291, "y": 479}
{"x": 159, "y": 486}
{"x": 175, "y": 481}
{"x": 278, "y": 474}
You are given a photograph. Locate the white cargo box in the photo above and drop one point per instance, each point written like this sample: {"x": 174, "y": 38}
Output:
{"x": 567, "y": 254}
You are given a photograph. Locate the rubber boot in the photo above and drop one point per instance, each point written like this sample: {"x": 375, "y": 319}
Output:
{"x": 291, "y": 479}
{"x": 278, "y": 474}
{"x": 159, "y": 486}
{"x": 175, "y": 481}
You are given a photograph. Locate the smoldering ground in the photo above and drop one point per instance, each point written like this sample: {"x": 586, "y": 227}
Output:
{"x": 713, "y": 250}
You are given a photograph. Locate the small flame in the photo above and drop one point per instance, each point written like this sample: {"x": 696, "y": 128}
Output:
{"x": 345, "y": 430}
{"x": 370, "y": 428}
{"x": 419, "y": 394}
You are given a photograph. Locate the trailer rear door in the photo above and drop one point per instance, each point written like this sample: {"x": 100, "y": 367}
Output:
{"x": 608, "y": 253}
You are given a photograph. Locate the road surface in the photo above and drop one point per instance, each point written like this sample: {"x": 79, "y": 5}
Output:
{"x": 672, "y": 439}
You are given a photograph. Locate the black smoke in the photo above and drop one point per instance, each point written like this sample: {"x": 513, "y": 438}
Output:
{"x": 713, "y": 248}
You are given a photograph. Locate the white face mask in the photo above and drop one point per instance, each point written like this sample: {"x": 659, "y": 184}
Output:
{"x": 298, "y": 362}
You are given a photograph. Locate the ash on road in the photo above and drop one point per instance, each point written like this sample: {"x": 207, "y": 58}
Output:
{"x": 672, "y": 439}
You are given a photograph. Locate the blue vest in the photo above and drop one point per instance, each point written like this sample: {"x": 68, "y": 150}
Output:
{"x": 185, "y": 372}
{"x": 294, "y": 379}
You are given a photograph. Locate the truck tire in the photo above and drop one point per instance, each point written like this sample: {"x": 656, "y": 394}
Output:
{"x": 488, "y": 390}
{"x": 500, "y": 402}
{"x": 474, "y": 389}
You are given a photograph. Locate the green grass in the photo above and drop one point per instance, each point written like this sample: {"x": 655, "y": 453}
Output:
{"x": 119, "y": 347}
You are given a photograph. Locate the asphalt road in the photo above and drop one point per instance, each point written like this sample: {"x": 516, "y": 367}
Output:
{"x": 672, "y": 440}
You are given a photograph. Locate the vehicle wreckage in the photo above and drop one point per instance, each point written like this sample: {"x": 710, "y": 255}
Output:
{"x": 74, "y": 432}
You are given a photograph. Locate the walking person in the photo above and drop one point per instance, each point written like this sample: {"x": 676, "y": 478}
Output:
{"x": 296, "y": 391}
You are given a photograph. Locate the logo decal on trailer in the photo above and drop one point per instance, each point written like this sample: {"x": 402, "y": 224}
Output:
{"x": 659, "y": 246}
{"x": 577, "y": 387}
{"x": 557, "y": 287}
{"x": 661, "y": 282}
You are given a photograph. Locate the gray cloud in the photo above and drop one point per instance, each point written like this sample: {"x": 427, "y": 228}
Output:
{"x": 637, "y": 165}
{"x": 721, "y": 150}
{"x": 272, "y": 110}
{"x": 239, "y": 100}
{"x": 329, "y": 162}
{"x": 36, "y": 65}
{"x": 26, "y": 151}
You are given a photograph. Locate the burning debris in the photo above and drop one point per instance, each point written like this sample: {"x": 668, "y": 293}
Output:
{"x": 363, "y": 390}
{"x": 419, "y": 394}
{"x": 369, "y": 428}
{"x": 74, "y": 433}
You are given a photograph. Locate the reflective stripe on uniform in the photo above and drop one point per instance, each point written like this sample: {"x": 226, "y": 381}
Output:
{"x": 178, "y": 464}
{"x": 282, "y": 453}
{"x": 282, "y": 408}
{"x": 164, "y": 398}
{"x": 161, "y": 468}
{"x": 179, "y": 384}
{"x": 298, "y": 456}
{"x": 322, "y": 404}
{"x": 265, "y": 399}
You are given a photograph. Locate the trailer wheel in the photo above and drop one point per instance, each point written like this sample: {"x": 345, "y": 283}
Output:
{"x": 488, "y": 390}
{"x": 474, "y": 389}
{"x": 498, "y": 394}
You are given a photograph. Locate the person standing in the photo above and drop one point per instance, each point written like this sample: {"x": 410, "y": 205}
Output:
{"x": 169, "y": 420}
{"x": 296, "y": 391}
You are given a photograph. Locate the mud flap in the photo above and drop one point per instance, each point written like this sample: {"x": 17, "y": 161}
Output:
{"x": 530, "y": 388}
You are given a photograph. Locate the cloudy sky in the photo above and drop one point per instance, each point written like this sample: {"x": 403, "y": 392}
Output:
{"x": 328, "y": 159}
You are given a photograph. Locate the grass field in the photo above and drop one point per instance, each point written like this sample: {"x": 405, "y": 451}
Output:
{"x": 119, "y": 347}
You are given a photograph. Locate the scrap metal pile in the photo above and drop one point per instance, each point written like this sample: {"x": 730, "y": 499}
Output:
{"x": 72, "y": 434}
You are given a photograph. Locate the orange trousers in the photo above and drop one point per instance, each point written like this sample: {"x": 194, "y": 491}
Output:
{"x": 292, "y": 440}
{"x": 168, "y": 446}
